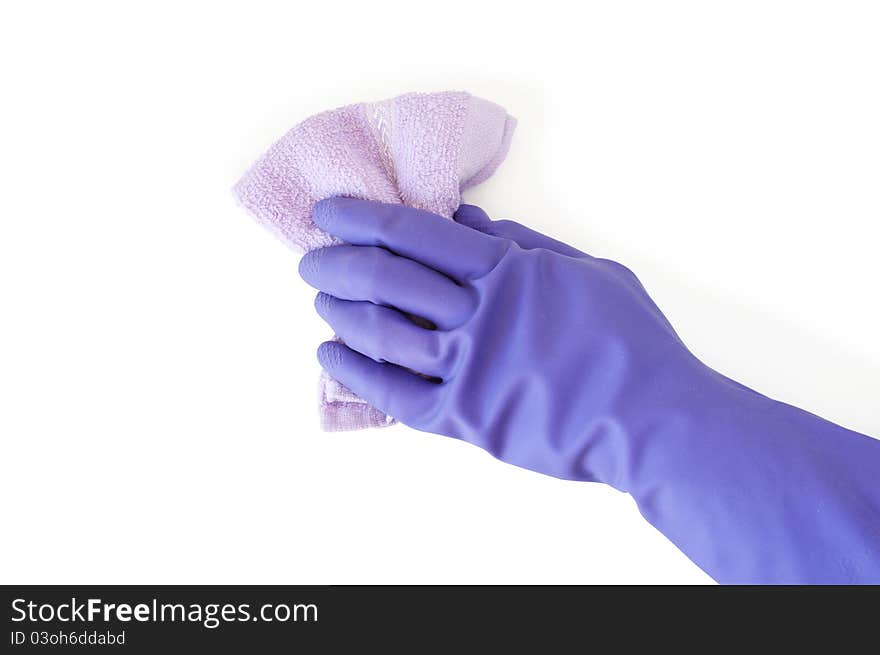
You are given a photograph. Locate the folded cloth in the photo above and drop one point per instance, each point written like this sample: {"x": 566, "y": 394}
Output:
{"x": 419, "y": 149}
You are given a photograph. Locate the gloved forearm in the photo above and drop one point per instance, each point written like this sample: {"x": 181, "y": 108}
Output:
{"x": 559, "y": 362}
{"x": 757, "y": 491}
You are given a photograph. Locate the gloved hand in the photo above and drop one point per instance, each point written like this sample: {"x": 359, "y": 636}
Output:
{"x": 559, "y": 362}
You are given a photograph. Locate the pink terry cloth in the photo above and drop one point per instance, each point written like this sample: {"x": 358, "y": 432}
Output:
{"x": 419, "y": 149}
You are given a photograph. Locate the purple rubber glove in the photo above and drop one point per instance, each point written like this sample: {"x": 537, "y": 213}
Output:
{"x": 559, "y": 362}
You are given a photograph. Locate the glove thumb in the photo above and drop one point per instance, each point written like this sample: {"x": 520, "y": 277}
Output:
{"x": 475, "y": 218}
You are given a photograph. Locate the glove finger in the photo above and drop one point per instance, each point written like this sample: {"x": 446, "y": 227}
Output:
{"x": 527, "y": 239}
{"x": 389, "y": 388}
{"x": 383, "y": 278}
{"x": 383, "y": 334}
{"x": 428, "y": 238}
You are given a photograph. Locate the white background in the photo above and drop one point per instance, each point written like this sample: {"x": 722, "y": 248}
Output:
{"x": 157, "y": 368}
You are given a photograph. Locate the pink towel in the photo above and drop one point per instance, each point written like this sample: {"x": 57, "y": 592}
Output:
{"x": 420, "y": 149}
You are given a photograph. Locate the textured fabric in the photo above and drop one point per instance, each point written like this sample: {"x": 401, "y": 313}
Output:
{"x": 418, "y": 149}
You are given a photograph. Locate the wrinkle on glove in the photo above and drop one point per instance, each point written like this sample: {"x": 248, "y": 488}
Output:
{"x": 418, "y": 149}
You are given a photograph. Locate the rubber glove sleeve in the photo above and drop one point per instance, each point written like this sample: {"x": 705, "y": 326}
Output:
{"x": 561, "y": 363}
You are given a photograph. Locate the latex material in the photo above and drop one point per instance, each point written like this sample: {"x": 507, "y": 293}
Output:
{"x": 559, "y": 362}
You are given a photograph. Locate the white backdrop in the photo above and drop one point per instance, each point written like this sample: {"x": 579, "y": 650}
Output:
{"x": 157, "y": 368}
